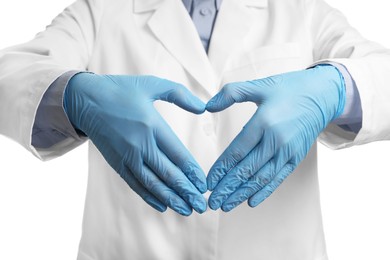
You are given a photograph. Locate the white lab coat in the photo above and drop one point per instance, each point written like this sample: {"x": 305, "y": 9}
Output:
{"x": 251, "y": 39}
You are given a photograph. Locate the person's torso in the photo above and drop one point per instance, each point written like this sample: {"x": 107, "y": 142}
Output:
{"x": 251, "y": 39}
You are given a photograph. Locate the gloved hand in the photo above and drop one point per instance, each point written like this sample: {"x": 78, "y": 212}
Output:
{"x": 293, "y": 109}
{"x": 117, "y": 114}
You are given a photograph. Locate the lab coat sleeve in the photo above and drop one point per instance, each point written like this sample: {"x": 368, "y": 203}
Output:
{"x": 352, "y": 113}
{"x": 51, "y": 124}
{"x": 27, "y": 71}
{"x": 334, "y": 40}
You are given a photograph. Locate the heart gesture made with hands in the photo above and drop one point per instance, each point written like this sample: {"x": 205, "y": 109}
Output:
{"x": 117, "y": 114}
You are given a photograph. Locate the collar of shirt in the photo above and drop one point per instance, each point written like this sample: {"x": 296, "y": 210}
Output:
{"x": 189, "y": 3}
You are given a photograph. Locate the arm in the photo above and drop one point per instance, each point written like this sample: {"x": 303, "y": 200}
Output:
{"x": 52, "y": 125}
{"x": 351, "y": 118}
{"x": 27, "y": 70}
{"x": 334, "y": 40}
{"x": 115, "y": 112}
{"x": 292, "y": 113}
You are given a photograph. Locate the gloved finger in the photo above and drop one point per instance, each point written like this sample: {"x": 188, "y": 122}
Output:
{"x": 263, "y": 176}
{"x": 242, "y": 172}
{"x": 179, "y": 95}
{"x": 174, "y": 149}
{"x": 265, "y": 192}
{"x": 174, "y": 178}
{"x": 231, "y": 93}
{"x": 275, "y": 143}
{"x": 138, "y": 188}
{"x": 257, "y": 182}
{"x": 237, "y": 150}
{"x": 165, "y": 194}
{"x": 156, "y": 186}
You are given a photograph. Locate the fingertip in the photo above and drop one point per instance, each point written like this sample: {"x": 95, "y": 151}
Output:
{"x": 199, "y": 111}
{"x": 193, "y": 106}
{"x": 217, "y": 198}
{"x": 255, "y": 202}
{"x": 228, "y": 95}
{"x": 196, "y": 175}
{"x": 213, "y": 204}
{"x": 198, "y": 106}
{"x": 202, "y": 188}
{"x": 201, "y": 206}
{"x": 186, "y": 212}
{"x": 184, "y": 98}
{"x": 227, "y": 208}
{"x": 214, "y": 176}
{"x": 212, "y": 106}
{"x": 210, "y": 184}
{"x": 232, "y": 204}
{"x": 161, "y": 208}
{"x": 157, "y": 206}
{"x": 202, "y": 182}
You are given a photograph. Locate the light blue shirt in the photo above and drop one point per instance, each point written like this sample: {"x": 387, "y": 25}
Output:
{"x": 203, "y": 14}
{"x": 52, "y": 125}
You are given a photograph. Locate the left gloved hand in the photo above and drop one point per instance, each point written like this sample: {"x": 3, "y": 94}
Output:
{"x": 293, "y": 109}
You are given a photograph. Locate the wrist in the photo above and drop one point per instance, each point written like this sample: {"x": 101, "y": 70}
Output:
{"x": 335, "y": 78}
{"x": 72, "y": 93}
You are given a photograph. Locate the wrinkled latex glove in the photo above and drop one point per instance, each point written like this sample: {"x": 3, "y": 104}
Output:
{"x": 293, "y": 109}
{"x": 117, "y": 114}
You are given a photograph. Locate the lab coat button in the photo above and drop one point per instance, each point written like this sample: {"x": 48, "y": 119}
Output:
{"x": 205, "y": 11}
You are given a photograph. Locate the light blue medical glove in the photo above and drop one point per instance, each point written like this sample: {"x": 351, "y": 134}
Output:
{"x": 117, "y": 114}
{"x": 293, "y": 109}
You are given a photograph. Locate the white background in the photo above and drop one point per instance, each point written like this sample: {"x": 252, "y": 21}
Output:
{"x": 41, "y": 204}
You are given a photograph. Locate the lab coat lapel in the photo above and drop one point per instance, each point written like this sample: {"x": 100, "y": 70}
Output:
{"x": 234, "y": 21}
{"x": 173, "y": 27}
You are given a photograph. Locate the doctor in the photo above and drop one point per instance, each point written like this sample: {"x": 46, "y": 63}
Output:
{"x": 160, "y": 150}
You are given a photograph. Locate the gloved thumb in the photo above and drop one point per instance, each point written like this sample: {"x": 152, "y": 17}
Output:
{"x": 230, "y": 93}
{"x": 182, "y": 97}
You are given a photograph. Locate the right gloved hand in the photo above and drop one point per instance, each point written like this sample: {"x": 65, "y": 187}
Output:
{"x": 117, "y": 114}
